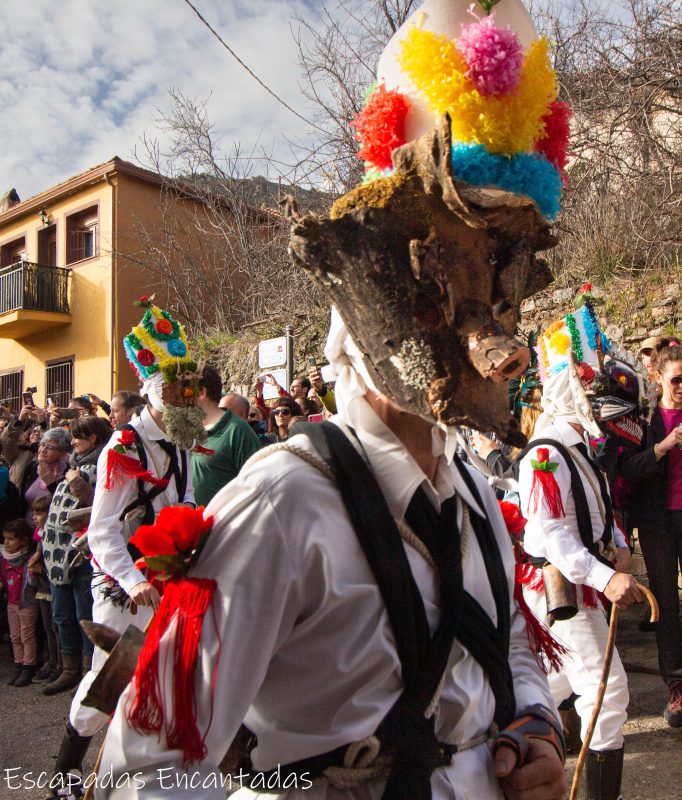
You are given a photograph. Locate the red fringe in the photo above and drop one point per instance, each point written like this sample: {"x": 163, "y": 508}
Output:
{"x": 185, "y": 600}
{"x": 121, "y": 468}
{"x": 545, "y": 488}
{"x": 541, "y": 641}
{"x": 204, "y": 451}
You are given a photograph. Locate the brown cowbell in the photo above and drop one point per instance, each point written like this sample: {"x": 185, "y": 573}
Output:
{"x": 429, "y": 273}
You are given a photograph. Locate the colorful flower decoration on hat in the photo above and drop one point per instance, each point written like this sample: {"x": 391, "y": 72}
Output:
{"x": 158, "y": 343}
{"x": 578, "y": 332}
{"x": 509, "y": 129}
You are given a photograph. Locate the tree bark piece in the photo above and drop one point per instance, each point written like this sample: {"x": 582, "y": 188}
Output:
{"x": 428, "y": 273}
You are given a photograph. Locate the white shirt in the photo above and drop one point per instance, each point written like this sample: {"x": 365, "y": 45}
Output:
{"x": 298, "y": 639}
{"x": 558, "y": 540}
{"x": 108, "y": 535}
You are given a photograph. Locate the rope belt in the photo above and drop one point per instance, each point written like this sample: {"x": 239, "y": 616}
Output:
{"x": 350, "y": 766}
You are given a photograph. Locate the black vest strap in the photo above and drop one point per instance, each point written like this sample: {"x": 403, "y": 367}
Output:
{"x": 144, "y": 497}
{"x": 405, "y": 730}
{"x": 582, "y": 509}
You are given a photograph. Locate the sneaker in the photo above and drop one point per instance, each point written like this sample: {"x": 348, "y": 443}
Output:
{"x": 673, "y": 712}
{"x": 43, "y": 673}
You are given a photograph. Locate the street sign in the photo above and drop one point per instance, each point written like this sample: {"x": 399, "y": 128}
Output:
{"x": 272, "y": 353}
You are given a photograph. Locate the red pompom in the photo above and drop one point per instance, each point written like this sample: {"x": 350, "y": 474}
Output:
{"x": 146, "y": 357}
{"x": 513, "y": 518}
{"x": 555, "y": 143}
{"x": 164, "y": 326}
{"x": 177, "y": 529}
{"x": 380, "y": 127}
{"x": 127, "y": 438}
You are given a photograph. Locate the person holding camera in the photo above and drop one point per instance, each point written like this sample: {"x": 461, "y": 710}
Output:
{"x": 655, "y": 475}
{"x": 19, "y": 439}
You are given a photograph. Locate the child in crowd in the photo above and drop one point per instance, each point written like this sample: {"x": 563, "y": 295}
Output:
{"x": 39, "y": 580}
{"x": 21, "y": 605}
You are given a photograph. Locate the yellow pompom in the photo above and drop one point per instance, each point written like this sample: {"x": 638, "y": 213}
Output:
{"x": 509, "y": 124}
{"x": 436, "y": 67}
{"x": 560, "y": 342}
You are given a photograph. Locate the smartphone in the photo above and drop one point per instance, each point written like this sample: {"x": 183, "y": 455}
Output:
{"x": 50, "y": 402}
{"x": 316, "y": 418}
{"x": 312, "y": 362}
{"x": 27, "y": 399}
{"x": 68, "y": 413}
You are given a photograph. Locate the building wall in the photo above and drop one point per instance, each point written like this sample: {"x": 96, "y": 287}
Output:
{"x": 88, "y": 336}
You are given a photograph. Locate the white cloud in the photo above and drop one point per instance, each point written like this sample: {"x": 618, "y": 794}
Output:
{"x": 81, "y": 82}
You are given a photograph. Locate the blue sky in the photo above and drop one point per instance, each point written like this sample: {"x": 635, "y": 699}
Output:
{"x": 82, "y": 81}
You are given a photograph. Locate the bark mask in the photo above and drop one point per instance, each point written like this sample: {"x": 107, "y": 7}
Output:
{"x": 428, "y": 274}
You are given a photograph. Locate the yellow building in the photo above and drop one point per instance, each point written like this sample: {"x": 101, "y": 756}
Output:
{"x": 66, "y": 289}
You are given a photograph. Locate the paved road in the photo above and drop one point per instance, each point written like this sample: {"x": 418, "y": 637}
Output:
{"x": 31, "y": 726}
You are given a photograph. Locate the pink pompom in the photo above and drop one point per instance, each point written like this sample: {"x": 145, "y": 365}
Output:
{"x": 555, "y": 143}
{"x": 380, "y": 127}
{"x": 494, "y": 57}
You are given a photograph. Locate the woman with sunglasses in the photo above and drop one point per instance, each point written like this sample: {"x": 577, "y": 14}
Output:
{"x": 655, "y": 473}
{"x": 283, "y": 415}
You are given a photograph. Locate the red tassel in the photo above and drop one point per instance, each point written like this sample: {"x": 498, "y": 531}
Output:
{"x": 204, "y": 451}
{"x": 590, "y": 597}
{"x": 546, "y": 489}
{"x": 185, "y": 600}
{"x": 121, "y": 468}
{"x": 543, "y": 645}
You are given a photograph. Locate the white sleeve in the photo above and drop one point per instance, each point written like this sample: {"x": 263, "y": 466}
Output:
{"x": 562, "y": 546}
{"x": 618, "y": 535}
{"x": 105, "y": 532}
{"x": 254, "y": 608}
{"x": 189, "y": 490}
{"x": 530, "y": 682}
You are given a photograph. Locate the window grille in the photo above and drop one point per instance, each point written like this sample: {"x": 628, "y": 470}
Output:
{"x": 11, "y": 383}
{"x": 59, "y": 382}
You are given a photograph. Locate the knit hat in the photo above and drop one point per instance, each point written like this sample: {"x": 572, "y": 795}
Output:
{"x": 158, "y": 352}
{"x": 484, "y": 66}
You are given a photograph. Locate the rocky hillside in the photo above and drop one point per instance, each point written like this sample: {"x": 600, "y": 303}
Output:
{"x": 630, "y": 310}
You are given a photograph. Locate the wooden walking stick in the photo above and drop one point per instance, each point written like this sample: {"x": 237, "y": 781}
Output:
{"x": 613, "y": 629}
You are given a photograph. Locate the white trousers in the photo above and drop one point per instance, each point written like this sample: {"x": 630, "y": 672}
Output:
{"x": 85, "y": 719}
{"x": 585, "y": 636}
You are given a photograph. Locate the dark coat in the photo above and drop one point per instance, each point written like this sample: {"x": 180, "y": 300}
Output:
{"x": 647, "y": 477}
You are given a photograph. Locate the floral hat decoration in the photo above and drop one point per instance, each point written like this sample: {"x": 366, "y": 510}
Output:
{"x": 484, "y": 66}
{"x": 159, "y": 353}
{"x": 608, "y": 387}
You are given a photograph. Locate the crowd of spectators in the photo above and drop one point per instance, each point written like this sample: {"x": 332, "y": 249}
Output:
{"x": 48, "y": 473}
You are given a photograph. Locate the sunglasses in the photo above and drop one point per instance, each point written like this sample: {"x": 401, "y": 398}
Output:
{"x": 253, "y": 416}
{"x": 676, "y": 380}
{"x": 284, "y": 412}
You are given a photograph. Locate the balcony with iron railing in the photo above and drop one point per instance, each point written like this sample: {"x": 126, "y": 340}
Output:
{"x": 33, "y": 298}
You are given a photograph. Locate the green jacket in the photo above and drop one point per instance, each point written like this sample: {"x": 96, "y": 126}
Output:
{"x": 234, "y": 443}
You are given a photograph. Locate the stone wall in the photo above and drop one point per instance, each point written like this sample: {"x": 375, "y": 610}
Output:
{"x": 627, "y": 316}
